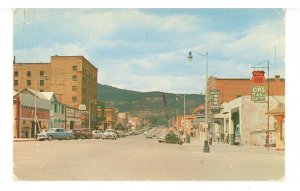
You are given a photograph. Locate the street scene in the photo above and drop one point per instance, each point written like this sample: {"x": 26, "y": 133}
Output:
{"x": 149, "y": 95}
{"x": 137, "y": 158}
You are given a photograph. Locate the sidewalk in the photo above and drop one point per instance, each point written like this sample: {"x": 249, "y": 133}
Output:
{"x": 221, "y": 147}
{"x": 23, "y": 139}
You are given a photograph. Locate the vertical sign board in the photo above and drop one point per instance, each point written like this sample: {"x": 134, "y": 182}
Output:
{"x": 258, "y": 94}
{"x": 215, "y": 108}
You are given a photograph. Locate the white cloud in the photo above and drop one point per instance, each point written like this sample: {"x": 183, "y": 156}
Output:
{"x": 37, "y": 54}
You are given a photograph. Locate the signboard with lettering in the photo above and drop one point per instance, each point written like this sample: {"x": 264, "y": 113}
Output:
{"x": 82, "y": 107}
{"x": 258, "y": 94}
{"x": 258, "y": 77}
{"x": 215, "y": 108}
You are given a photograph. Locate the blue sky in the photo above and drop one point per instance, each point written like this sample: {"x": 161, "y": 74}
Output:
{"x": 146, "y": 49}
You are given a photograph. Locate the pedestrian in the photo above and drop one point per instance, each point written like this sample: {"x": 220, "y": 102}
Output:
{"x": 218, "y": 137}
{"x": 226, "y": 140}
{"x": 210, "y": 139}
{"x": 270, "y": 139}
{"x": 267, "y": 138}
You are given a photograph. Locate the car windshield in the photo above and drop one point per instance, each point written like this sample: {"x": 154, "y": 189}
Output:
{"x": 109, "y": 130}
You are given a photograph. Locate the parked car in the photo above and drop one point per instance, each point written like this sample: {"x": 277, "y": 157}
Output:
{"x": 55, "y": 133}
{"x": 83, "y": 133}
{"x": 149, "y": 135}
{"x": 162, "y": 138}
{"x": 172, "y": 138}
{"x": 97, "y": 134}
{"x": 120, "y": 134}
{"x": 109, "y": 134}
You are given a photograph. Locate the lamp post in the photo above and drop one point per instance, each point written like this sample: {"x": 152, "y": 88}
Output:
{"x": 90, "y": 112}
{"x": 190, "y": 58}
{"x": 35, "y": 116}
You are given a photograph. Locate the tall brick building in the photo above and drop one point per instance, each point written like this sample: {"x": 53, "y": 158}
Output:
{"x": 72, "y": 78}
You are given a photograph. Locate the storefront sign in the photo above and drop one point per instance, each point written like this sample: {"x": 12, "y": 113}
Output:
{"x": 258, "y": 77}
{"x": 258, "y": 94}
{"x": 215, "y": 108}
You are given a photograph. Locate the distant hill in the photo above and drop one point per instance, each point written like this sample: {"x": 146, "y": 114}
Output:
{"x": 148, "y": 105}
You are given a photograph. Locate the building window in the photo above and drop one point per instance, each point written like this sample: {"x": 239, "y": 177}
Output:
{"x": 74, "y": 99}
{"x": 74, "y": 77}
{"x": 28, "y": 73}
{"x": 74, "y": 68}
{"x": 15, "y": 82}
{"x": 42, "y": 82}
{"x": 62, "y": 109}
{"x": 28, "y": 82}
{"x": 74, "y": 88}
{"x": 42, "y": 73}
{"x": 16, "y": 73}
{"x": 41, "y": 90}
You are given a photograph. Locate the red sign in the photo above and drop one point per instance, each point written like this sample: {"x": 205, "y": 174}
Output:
{"x": 258, "y": 77}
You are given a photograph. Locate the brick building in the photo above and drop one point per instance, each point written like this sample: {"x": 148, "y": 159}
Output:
{"x": 234, "y": 88}
{"x": 111, "y": 118}
{"x": 237, "y": 114}
{"x": 73, "y": 79}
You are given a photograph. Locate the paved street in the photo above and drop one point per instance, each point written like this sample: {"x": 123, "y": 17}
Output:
{"x": 138, "y": 158}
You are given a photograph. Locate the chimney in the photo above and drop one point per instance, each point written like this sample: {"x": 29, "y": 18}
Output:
{"x": 277, "y": 77}
{"x": 14, "y": 59}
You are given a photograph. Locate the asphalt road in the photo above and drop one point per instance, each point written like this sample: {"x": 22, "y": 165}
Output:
{"x": 141, "y": 159}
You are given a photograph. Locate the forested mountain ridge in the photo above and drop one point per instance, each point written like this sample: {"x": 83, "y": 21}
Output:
{"x": 148, "y": 104}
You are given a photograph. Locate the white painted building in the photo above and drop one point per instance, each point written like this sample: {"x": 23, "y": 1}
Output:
{"x": 246, "y": 121}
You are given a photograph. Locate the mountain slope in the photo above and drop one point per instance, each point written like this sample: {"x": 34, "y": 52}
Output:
{"x": 148, "y": 104}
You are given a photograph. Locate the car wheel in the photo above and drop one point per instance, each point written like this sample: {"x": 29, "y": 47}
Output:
{"x": 50, "y": 138}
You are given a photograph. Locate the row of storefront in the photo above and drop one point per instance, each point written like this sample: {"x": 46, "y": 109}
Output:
{"x": 49, "y": 113}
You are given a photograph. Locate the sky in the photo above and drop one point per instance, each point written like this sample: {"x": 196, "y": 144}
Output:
{"x": 146, "y": 49}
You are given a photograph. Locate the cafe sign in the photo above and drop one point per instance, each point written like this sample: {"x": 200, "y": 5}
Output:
{"x": 258, "y": 94}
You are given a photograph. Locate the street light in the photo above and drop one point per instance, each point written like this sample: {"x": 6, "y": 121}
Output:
{"x": 35, "y": 116}
{"x": 190, "y": 58}
{"x": 90, "y": 112}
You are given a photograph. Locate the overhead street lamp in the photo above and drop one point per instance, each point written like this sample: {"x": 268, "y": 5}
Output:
{"x": 190, "y": 58}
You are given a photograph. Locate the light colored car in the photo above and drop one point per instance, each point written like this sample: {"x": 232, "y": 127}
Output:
{"x": 97, "y": 134}
{"x": 55, "y": 133}
{"x": 149, "y": 135}
{"x": 109, "y": 134}
{"x": 162, "y": 138}
{"x": 120, "y": 134}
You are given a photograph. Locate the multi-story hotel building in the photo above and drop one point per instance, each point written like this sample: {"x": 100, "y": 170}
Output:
{"x": 72, "y": 78}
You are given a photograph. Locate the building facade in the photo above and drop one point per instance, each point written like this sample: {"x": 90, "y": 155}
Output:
{"x": 110, "y": 118}
{"x": 73, "y": 79}
{"x": 246, "y": 121}
{"x": 222, "y": 90}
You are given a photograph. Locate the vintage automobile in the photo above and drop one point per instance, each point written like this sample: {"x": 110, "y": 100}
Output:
{"x": 97, "y": 134}
{"x": 55, "y": 133}
{"x": 109, "y": 134}
{"x": 83, "y": 133}
{"x": 120, "y": 134}
{"x": 149, "y": 135}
